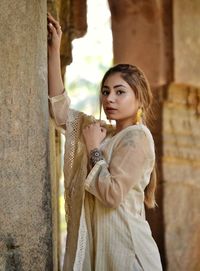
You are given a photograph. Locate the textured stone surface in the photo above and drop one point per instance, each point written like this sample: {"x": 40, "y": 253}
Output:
{"x": 139, "y": 36}
{"x": 181, "y": 168}
{"x": 187, "y": 41}
{"x": 25, "y": 212}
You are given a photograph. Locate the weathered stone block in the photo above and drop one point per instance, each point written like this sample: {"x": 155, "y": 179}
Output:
{"x": 181, "y": 171}
{"x": 187, "y": 41}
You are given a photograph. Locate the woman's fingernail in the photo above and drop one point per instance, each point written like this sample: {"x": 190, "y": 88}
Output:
{"x": 50, "y": 24}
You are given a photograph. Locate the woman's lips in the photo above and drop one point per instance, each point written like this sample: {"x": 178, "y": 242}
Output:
{"x": 110, "y": 110}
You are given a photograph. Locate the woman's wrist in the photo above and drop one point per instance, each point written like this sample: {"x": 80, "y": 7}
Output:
{"x": 95, "y": 155}
{"x": 54, "y": 53}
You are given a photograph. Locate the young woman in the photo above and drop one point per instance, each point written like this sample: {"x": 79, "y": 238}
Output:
{"x": 108, "y": 171}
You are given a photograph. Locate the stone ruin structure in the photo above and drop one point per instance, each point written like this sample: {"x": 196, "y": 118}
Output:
{"x": 163, "y": 38}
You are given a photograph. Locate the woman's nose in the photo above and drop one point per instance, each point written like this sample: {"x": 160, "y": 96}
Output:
{"x": 110, "y": 98}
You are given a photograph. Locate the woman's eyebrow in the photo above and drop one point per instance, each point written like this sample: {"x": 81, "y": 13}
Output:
{"x": 116, "y": 86}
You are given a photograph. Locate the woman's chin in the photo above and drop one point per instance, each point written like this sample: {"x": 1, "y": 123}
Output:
{"x": 109, "y": 118}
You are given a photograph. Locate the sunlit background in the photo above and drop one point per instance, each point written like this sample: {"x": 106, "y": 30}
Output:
{"x": 92, "y": 56}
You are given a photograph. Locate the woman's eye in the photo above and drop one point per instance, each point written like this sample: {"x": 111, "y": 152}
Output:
{"x": 105, "y": 92}
{"x": 119, "y": 92}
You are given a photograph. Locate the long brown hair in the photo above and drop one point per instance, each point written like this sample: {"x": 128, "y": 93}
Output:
{"x": 137, "y": 80}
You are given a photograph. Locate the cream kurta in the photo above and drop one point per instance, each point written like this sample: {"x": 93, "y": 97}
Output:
{"x": 113, "y": 234}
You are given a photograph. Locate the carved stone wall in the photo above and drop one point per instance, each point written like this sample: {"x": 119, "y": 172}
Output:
{"x": 181, "y": 165}
{"x": 25, "y": 202}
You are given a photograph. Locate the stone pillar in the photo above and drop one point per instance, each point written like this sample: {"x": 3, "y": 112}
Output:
{"x": 25, "y": 202}
{"x": 181, "y": 135}
{"x": 138, "y": 37}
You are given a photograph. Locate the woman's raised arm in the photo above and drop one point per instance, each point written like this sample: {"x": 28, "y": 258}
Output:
{"x": 59, "y": 100}
{"x": 55, "y": 81}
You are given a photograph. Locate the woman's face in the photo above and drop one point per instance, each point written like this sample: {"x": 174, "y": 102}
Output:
{"x": 118, "y": 100}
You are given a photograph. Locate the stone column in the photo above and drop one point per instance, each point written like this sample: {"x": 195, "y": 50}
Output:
{"x": 25, "y": 208}
{"x": 181, "y": 142}
{"x": 138, "y": 37}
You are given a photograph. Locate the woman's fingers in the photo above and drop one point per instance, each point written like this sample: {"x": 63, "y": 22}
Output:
{"x": 95, "y": 127}
{"x": 102, "y": 122}
{"x": 52, "y": 28}
{"x": 103, "y": 130}
{"x": 54, "y": 22}
{"x": 98, "y": 124}
{"x": 50, "y": 17}
{"x": 55, "y": 35}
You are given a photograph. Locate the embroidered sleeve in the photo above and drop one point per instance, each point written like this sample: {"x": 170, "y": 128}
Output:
{"x": 59, "y": 107}
{"x": 110, "y": 183}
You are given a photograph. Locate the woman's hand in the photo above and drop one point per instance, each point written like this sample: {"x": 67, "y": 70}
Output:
{"x": 54, "y": 34}
{"x": 55, "y": 82}
{"x": 94, "y": 135}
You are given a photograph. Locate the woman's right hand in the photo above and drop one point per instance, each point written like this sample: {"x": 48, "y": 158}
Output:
{"x": 55, "y": 34}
